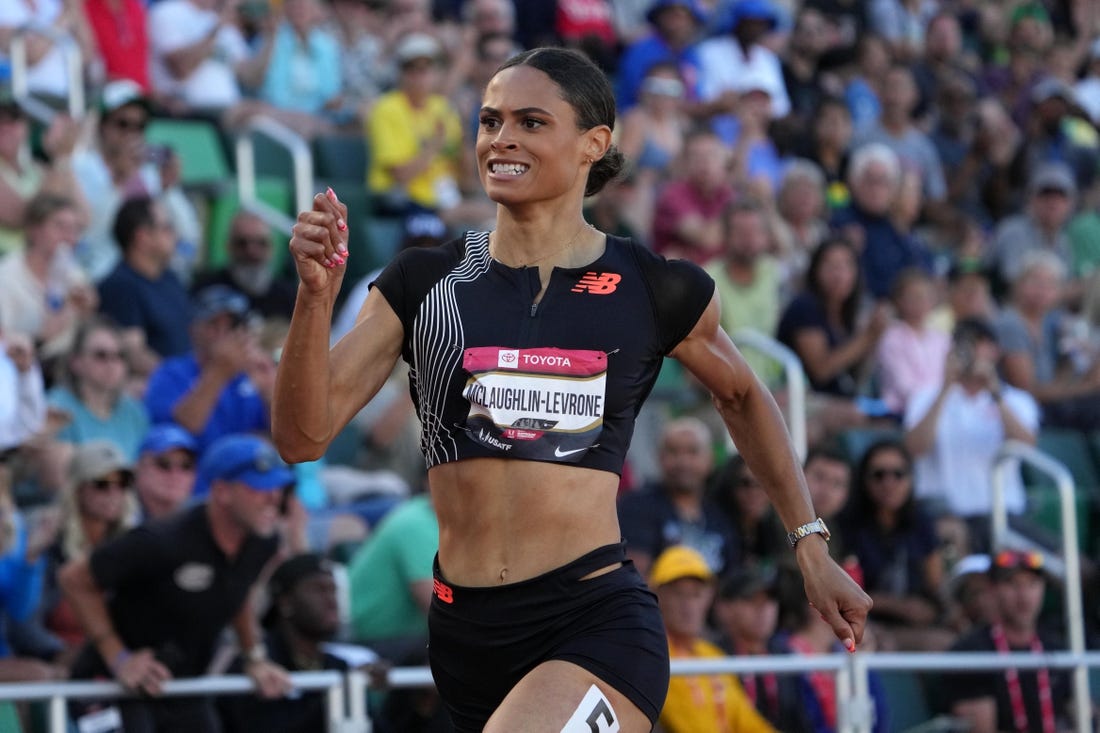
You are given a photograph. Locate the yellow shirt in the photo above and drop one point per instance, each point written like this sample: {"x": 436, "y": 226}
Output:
{"x": 395, "y": 133}
{"x": 708, "y": 703}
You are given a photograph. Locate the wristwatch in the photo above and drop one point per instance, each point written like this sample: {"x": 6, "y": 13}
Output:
{"x": 815, "y": 527}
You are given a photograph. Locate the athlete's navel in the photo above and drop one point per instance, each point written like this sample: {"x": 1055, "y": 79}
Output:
{"x": 503, "y": 574}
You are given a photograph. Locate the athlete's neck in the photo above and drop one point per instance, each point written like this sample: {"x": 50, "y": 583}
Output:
{"x": 544, "y": 238}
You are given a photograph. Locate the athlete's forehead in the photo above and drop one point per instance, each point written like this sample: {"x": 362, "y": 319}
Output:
{"x": 522, "y": 89}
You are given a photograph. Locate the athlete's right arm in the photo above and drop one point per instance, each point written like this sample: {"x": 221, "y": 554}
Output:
{"x": 318, "y": 391}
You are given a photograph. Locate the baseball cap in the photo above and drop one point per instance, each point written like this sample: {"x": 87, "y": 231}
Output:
{"x": 164, "y": 437}
{"x": 678, "y": 561}
{"x": 745, "y": 582}
{"x": 119, "y": 93}
{"x": 417, "y": 46}
{"x": 977, "y": 564}
{"x": 246, "y": 458}
{"x": 213, "y": 300}
{"x": 297, "y": 568}
{"x": 753, "y": 10}
{"x": 97, "y": 458}
{"x": 1052, "y": 87}
{"x": 691, "y": 5}
{"x": 1053, "y": 176}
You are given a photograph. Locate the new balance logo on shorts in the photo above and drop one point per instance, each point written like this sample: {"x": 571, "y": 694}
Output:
{"x": 598, "y": 283}
{"x": 443, "y": 592}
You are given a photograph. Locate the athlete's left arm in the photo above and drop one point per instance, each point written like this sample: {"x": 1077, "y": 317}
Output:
{"x": 757, "y": 428}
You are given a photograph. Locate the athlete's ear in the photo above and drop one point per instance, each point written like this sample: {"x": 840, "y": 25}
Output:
{"x": 597, "y": 142}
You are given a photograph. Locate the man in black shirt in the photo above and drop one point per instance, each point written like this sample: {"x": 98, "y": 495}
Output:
{"x": 155, "y": 601}
{"x": 1026, "y": 700}
{"x": 304, "y": 614}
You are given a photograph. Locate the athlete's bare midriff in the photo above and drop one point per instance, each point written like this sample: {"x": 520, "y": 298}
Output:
{"x": 503, "y": 521}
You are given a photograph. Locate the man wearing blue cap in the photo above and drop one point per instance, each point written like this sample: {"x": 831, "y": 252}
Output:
{"x": 154, "y": 601}
{"x": 164, "y": 475}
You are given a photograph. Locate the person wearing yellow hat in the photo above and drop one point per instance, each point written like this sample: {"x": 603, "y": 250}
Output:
{"x": 685, "y": 586}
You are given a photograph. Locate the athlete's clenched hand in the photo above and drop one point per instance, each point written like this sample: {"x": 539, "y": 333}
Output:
{"x": 319, "y": 244}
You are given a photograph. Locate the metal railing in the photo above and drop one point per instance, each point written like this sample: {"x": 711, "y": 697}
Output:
{"x": 302, "y": 170}
{"x": 74, "y": 71}
{"x": 347, "y": 692}
{"x": 794, "y": 376}
{"x": 1009, "y": 459}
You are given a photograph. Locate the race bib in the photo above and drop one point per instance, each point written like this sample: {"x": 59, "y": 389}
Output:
{"x": 537, "y": 404}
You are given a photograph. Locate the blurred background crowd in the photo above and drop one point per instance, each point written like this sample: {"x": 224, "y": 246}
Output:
{"x": 903, "y": 194}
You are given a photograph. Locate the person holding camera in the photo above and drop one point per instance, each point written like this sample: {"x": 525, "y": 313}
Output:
{"x": 956, "y": 428}
{"x": 208, "y": 391}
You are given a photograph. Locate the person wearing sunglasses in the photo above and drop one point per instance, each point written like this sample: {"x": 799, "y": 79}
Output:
{"x": 155, "y": 601}
{"x": 91, "y": 398}
{"x": 898, "y": 551}
{"x": 164, "y": 475}
{"x": 1025, "y": 700}
{"x": 96, "y": 505}
{"x": 251, "y": 269}
{"x": 121, "y": 164}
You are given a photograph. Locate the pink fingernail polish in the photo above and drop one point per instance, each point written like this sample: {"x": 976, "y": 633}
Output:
{"x": 850, "y": 645}
{"x": 341, "y": 225}
{"x": 330, "y": 193}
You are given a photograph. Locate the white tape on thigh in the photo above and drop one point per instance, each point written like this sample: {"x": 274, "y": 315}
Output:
{"x": 593, "y": 715}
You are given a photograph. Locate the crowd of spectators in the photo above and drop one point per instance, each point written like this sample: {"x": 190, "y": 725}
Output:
{"x": 903, "y": 193}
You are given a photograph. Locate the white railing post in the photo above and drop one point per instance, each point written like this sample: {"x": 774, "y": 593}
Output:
{"x": 74, "y": 72}
{"x": 302, "y": 165}
{"x": 857, "y": 702}
{"x": 1009, "y": 459}
{"x": 794, "y": 376}
{"x": 336, "y": 708}
{"x": 58, "y": 715}
{"x": 358, "y": 720}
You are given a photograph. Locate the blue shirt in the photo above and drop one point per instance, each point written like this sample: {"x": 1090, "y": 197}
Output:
{"x": 302, "y": 77}
{"x": 239, "y": 408}
{"x": 161, "y": 308}
{"x": 125, "y": 426}
{"x": 20, "y": 583}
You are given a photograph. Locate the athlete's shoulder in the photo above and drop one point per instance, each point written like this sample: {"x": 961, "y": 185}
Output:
{"x": 655, "y": 265}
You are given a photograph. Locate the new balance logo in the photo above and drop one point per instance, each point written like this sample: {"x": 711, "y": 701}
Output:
{"x": 597, "y": 283}
{"x": 443, "y": 592}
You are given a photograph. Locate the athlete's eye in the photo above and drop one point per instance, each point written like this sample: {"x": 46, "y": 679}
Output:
{"x": 489, "y": 123}
{"x": 531, "y": 123}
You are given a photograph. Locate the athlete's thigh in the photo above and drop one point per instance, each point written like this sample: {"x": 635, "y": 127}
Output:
{"x": 551, "y": 695}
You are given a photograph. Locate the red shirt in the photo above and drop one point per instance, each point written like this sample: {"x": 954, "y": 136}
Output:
{"x": 120, "y": 33}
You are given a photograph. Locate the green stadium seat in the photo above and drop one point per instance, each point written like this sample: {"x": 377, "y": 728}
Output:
{"x": 198, "y": 145}
{"x": 340, "y": 158}
{"x": 273, "y": 191}
{"x": 1070, "y": 448}
{"x": 905, "y": 699}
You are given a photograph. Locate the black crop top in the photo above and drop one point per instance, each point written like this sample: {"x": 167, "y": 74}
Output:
{"x": 494, "y": 374}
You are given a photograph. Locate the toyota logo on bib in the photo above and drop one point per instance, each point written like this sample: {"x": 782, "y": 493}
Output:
{"x": 508, "y": 358}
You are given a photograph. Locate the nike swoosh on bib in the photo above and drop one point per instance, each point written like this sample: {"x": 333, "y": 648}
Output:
{"x": 559, "y": 453}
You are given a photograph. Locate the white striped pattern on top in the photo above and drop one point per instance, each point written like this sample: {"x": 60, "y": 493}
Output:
{"x": 438, "y": 342}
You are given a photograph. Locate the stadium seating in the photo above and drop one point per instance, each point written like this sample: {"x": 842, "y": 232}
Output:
{"x": 198, "y": 144}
